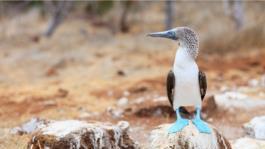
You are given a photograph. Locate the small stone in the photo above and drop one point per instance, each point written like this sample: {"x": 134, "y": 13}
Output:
{"x": 49, "y": 103}
{"x": 124, "y": 125}
{"x": 86, "y": 114}
{"x": 122, "y": 102}
{"x": 253, "y": 83}
{"x": 160, "y": 99}
{"x": 121, "y": 73}
{"x": 232, "y": 100}
{"x": 248, "y": 143}
{"x": 126, "y": 93}
{"x": 62, "y": 93}
{"x": 256, "y": 127}
{"x": 29, "y": 127}
{"x": 115, "y": 113}
{"x": 139, "y": 100}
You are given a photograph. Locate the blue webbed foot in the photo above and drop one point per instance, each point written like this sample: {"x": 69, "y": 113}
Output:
{"x": 179, "y": 124}
{"x": 200, "y": 124}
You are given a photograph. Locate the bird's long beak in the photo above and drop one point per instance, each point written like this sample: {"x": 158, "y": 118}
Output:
{"x": 165, "y": 34}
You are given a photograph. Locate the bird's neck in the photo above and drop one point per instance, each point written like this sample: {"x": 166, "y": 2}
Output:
{"x": 191, "y": 46}
{"x": 183, "y": 58}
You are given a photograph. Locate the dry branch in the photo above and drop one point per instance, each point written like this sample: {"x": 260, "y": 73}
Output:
{"x": 59, "y": 11}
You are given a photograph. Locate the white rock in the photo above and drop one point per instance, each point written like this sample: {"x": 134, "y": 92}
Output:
{"x": 253, "y": 83}
{"x": 80, "y": 134}
{"x": 188, "y": 138}
{"x": 248, "y": 143}
{"x": 139, "y": 100}
{"x": 29, "y": 127}
{"x": 62, "y": 128}
{"x": 115, "y": 113}
{"x": 122, "y": 102}
{"x": 223, "y": 88}
{"x": 256, "y": 127}
{"x": 86, "y": 114}
{"x": 126, "y": 93}
{"x": 160, "y": 99}
{"x": 234, "y": 99}
{"x": 260, "y": 82}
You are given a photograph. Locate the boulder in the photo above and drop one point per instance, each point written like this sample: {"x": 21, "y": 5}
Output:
{"x": 256, "y": 127}
{"x": 30, "y": 126}
{"x": 73, "y": 134}
{"x": 248, "y": 143}
{"x": 188, "y": 138}
{"x": 231, "y": 100}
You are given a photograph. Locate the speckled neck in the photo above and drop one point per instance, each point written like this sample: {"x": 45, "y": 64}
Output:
{"x": 189, "y": 40}
{"x": 191, "y": 47}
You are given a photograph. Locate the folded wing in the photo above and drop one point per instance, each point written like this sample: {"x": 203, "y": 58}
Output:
{"x": 170, "y": 86}
{"x": 203, "y": 84}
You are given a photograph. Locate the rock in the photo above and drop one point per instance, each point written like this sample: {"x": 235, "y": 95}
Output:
{"x": 122, "y": 102}
{"x": 160, "y": 99}
{"x": 75, "y": 134}
{"x": 248, "y": 143}
{"x": 126, "y": 93}
{"x": 253, "y": 83}
{"x": 209, "y": 107}
{"x": 115, "y": 113}
{"x": 188, "y": 138}
{"x": 260, "y": 82}
{"x": 256, "y": 127}
{"x": 86, "y": 114}
{"x": 238, "y": 100}
{"x": 29, "y": 127}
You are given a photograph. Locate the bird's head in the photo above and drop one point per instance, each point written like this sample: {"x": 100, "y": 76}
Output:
{"x": 186, "y": 37}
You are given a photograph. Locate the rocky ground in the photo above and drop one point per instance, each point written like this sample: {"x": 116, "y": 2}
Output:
{"x": 74, "y": 75}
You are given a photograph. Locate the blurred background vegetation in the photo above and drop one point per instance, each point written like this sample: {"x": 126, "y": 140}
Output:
{"x": 223, "y": 25}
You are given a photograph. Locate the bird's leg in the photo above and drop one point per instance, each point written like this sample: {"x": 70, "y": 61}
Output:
{"x": 199, "y": 123}
{"x": 179, "y": 124}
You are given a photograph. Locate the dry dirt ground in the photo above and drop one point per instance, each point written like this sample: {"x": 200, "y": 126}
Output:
{"x": 82, "y": 72}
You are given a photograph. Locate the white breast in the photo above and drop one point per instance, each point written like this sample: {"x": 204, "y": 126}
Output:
{"x": 187, "y": 92}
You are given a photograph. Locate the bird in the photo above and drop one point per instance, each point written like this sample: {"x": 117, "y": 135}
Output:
{"x": 186, "y": 84}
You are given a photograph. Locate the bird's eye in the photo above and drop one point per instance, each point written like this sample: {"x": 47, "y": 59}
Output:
{"x": 172, "y": 35}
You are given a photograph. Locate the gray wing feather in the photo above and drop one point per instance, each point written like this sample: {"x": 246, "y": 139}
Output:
{"x": 170, "y": 86}
{"x": 203, "y": 84}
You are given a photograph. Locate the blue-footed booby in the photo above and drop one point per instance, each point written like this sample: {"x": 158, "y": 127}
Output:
{"x": 186, "y": 84}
